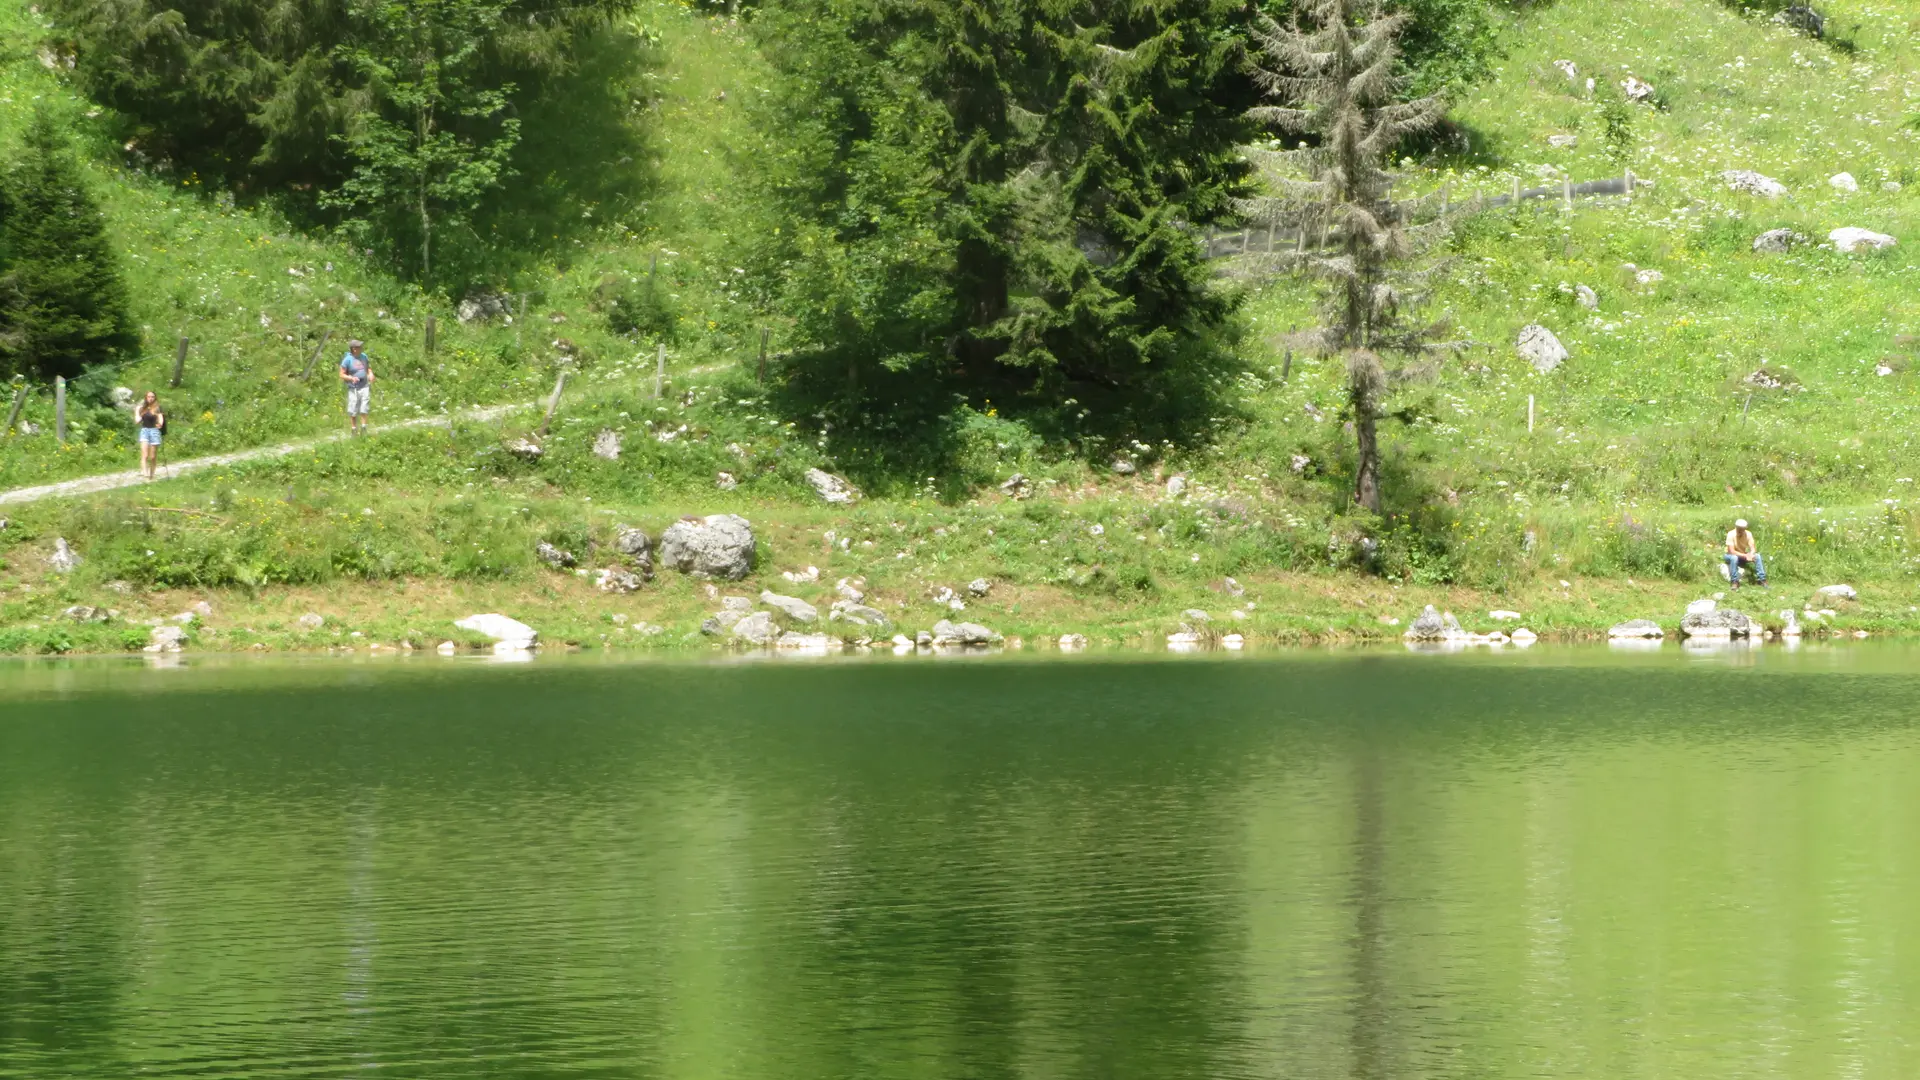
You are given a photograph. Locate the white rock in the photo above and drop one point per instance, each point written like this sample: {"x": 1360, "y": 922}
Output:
{"x": 1843, "y": 182}
{"x": 1753, "y": 183}
{"x": 1637, "y": 90}
{"x": 979, "y": 587}
{"x": 615, "y": 580}
{"x": 1705, "y": 606}
{"x": 814, "y": 643}
{"x": 832, "y": 488}
{"x": 1562, "y": 142}
{"x": 847, "y": 591}
{"x": 163, "y": 639}
{"x": 1568, "y": 69}
{"x": 447, "y": 648}
{"x": 503, "y": 630}
{"x": 64, "y": 559}
{"x": 1890, "y": 186}
{"x": 950, "y": 633}
{"x": 1299, "y": 462}
{"x": 802, "y": 577}
{"x": 792, "y": 607}
{"x": 1504, "y": 616}
{"x": 725, "y": 481}
{"x": 1853, "y": 238}
{"x": 606, "y": 445}
{"x": 1586, "y": 297}
{"x": 525, "y": 449}
{"x": 757, "y": 629}
{"x": 1637, "y": 629}
{"x": 1176, "y": 486}
{"x": 1649, "y": 277}
{"x": 1831, "y": 593}
{"x": 1184, "y": 641}
{"x": 717, "y": 546}
{"x": 1777, "y": 240}
{"x": 1523, "y": 637}
{"x": 1234, "y": 641}
{"x": 1072, "y": 642}
{"x": 1540, "y": 348}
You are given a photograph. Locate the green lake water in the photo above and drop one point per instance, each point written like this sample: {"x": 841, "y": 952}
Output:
{"x": 1566, "y": 863}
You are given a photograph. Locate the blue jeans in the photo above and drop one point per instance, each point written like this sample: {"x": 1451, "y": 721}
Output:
{"x": 1733, "y": 568}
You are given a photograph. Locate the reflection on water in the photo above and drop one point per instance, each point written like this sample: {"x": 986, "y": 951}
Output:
{"x": 1572, "y": 864}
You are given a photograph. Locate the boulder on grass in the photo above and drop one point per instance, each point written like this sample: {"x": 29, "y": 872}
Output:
{"x": 833, "y": 489}
{"x": 718, "y": 546}
{"x": 793, "y": 608}
{"x": 1853, "y": 238}
{"x": 1538, "y": 346}
{"x": 1636, "y": 629}
{"x": 756, "y": 629}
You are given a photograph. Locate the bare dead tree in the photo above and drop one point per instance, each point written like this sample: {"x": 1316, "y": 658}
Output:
{"x": 1334, "y": 80}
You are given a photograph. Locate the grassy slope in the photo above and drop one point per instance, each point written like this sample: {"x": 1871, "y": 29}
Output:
{"x": 1645, "y": 421}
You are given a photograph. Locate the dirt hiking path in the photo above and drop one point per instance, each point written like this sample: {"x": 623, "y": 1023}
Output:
{"x": 88, "y": 485}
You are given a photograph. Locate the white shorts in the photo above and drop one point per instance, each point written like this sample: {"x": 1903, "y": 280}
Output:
{"x": 357, "y": 400}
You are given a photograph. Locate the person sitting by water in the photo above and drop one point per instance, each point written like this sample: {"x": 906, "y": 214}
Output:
{"x": 1743, "y": 552}
{"x": 153, "y": 425}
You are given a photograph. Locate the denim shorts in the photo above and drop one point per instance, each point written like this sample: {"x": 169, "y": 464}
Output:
{"x": 149, "y": 436}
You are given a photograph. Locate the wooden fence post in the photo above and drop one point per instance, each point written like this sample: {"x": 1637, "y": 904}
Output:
{"x": 1529, "y": 414}
{"x": 553, "y": 403}
{"x": 660, "y": 372}
{"x": 1566, "y": 190}
{"x": 60, "y": 409}
{"x": 432, "y": 325}
{"x": 1446, "y": 198}
{"x": 1516, "y": 191}
{"x": 179, "y": 363}
{"x": 1627, "y": 183}
{"x": 307, "y": 372}
{"x": 19, "y": 400}
{"x": 519, "y": 320}
{"x": 764, "y": 332}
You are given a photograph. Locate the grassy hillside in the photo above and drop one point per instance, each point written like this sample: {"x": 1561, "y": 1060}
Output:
{"x": 1646, "y": 442}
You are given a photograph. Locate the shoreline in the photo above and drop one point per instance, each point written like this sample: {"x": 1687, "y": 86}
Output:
{"x": 569, "y": 615}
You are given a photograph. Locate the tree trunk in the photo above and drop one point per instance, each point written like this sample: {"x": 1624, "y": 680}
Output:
{"x": 426, "y": 216}
{"x": 1366, "y": 479}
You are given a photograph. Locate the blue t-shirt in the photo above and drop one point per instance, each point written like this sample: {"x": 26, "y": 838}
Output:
{"x": 355, "y": 368}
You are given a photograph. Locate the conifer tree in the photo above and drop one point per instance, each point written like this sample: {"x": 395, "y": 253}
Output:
{"x": 62, "y": 300}
{"x": 1337, "y": 81}
{"x": 996, "y": 199}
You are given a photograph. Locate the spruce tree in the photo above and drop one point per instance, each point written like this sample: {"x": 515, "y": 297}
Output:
{"x": 1338, "y": 82}
{"x": 997, "y": 199}
{"x": 65, "y": 304}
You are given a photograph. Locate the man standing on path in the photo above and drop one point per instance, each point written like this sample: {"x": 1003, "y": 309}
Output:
{"x": 1743, "y": 552}
{"x": 357, "y": 372}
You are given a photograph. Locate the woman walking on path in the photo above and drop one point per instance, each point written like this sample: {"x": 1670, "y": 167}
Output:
{"x": 153, "y": 425}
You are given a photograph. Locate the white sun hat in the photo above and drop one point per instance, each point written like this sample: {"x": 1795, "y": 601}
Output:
{"x": 1741, "y": 524}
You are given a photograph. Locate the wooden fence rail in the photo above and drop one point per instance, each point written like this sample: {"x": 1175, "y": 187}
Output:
{"x": 1226, "y": 244}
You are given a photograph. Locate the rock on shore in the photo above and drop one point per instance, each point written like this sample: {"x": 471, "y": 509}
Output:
{"x": 717, "y": 546}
